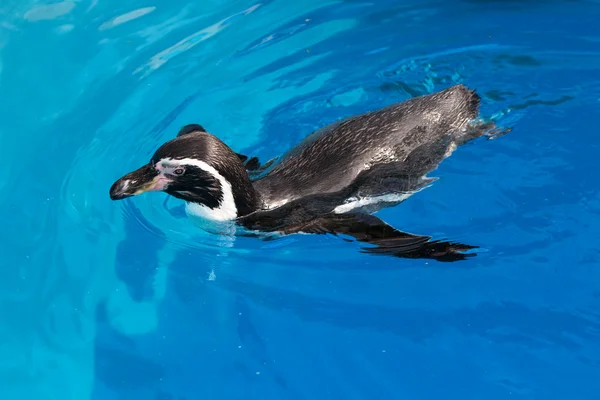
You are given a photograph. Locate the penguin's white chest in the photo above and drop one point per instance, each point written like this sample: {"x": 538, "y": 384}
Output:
{"x": 225, "y": 212}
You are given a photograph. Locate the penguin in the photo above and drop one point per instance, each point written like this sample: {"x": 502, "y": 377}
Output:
{"x": 331, "y": 182}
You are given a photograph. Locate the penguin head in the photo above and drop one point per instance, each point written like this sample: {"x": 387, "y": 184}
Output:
{"x": 198, "y": 168}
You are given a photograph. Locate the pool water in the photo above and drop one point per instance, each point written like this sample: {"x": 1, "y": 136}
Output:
{"x": 129, "y": 300}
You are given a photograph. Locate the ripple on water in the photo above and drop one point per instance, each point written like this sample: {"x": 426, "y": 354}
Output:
{"x": 190, "y": 41}
{"x": 49, "y": 11}
{"x": 124, "y": 18}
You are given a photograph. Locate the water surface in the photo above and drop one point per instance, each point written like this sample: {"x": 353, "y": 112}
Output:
{"x": 129, "y": 300}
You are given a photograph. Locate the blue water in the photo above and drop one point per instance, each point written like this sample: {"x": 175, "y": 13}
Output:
{"x": 129, "y": 300}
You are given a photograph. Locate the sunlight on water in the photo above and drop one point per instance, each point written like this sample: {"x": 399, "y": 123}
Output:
{"x": 108, "y": 300}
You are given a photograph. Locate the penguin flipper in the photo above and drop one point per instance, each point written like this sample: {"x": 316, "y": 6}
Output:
{"x": 367, "y": 229}
{"x": 387, "y": 240}
{"x": 251, "y": 163}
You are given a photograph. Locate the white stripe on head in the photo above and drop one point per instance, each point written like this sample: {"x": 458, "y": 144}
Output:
{"x": 226, "y": 210}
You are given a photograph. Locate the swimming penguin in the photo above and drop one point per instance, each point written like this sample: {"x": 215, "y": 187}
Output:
{"x": 330, "y": 183}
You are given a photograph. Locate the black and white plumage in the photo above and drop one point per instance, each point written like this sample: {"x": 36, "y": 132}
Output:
{"x": 331, "y": 182}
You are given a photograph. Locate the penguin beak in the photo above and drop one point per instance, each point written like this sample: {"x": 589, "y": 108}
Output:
{"x": 144, "y": 179}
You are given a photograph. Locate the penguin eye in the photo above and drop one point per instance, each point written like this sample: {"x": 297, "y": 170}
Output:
{"x": 178, "y": 171}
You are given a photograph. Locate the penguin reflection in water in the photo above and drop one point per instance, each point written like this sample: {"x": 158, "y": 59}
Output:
{"x": 330, "y": 183}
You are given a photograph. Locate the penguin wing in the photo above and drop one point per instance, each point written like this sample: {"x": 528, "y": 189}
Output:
{"x": 365, "y": 228}
{"x": 253, "y": 165}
